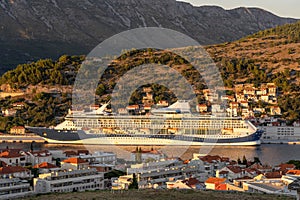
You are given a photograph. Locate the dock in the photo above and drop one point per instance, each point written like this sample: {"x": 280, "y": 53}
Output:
{"x": 7, "y": 138}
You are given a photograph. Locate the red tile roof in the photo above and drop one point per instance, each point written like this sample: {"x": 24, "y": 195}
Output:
{"x": 74, "y": 161}
{"x": 223, "y": 172}
{"x": 10, "y": 154}
{"x": 293, "y": 172}
{"x": 191, "y": 182}
{"x": 18, "y": 127}
{"x": 70, "y": 153}
{"x": 12, "y": 169}
{"x": 42, "y": 153}
{"x": 210, "y": 159}
{"x": 273, "y": 175}
{"x": 235, "y": 169}
{"x": 215, "y": 180}
{"x": 83, "y": 151}
{"x": 45, "y": 165}
{"x": 285, "y": 166}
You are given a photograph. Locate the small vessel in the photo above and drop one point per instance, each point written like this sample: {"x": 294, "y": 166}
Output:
{"x": 174, "y": 125}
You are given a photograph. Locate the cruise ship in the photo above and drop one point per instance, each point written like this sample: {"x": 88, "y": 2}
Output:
{"x": 173, "y": 125}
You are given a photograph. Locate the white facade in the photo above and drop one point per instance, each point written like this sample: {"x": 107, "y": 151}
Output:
{"x": 158, "y": 173}
{"x": 69, "y": 181}
{"x": 280, "y": 133}
{"x": 100, "y": 157}
{"x": 14, "y": 188}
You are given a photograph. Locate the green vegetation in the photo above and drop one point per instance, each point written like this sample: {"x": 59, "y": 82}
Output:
{"x": 290, "y": 32}
{"x": 114, "y": 173}
{"x": 46, "y": 108}
{"x": 295, "y": 162}
{"x": 42, "y": 110}
{"x": 44, "y": 72}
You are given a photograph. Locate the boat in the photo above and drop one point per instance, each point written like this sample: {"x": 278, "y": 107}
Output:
{"x": 173, "y": 125}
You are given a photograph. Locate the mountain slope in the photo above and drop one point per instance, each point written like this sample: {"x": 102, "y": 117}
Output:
{"x": 48, "y": 28}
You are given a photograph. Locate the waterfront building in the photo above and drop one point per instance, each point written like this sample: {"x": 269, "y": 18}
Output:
{"x": 17, "y": 130}
{"x": 11, "y": 188}
{"x": 69, "y": 181}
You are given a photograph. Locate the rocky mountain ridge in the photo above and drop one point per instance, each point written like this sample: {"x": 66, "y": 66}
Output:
{"x": 35, "y": 29}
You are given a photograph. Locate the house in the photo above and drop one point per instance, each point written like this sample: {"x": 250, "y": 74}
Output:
{"x": 212, "y": 183}
{"x": 17, "y": 130}
{"x": 264, "y": 98}
{"x": 202, "y": 108}
{"x": 122, "y": 183}
{"x": 272, "y": 90}
{"x": 284, "y": 168}
{"x": 15, "y": 171}
{"x": 162, "y": 103}
{"x": 45, "y": 167}
{"x": 261, "y": 168}
{"x": 189, "y": 183}
{"x": 69, "y": 181}
{"x": 293, "y": 172}
{"x": 249, "y": 91}
{"x": 12, "y": 157}
{"x": 152, "y": 174}
{"x": 244, "y": 104}
{"x": 211, "y": 163}
{"x": 74, "y": 163}
{"x": 146, "y": 156}
{"x": 9, "y": 112}
{"x": 275, "y": 110}
{"x": 233, "y": 105}
{"x": 99, "y": 157}
{"x": 18, "y": 105}
{"x": 12, "y": 188}
{"x": 133, "y": 109}
{"x": 240, "y": 97}
{"x": 234, "y": 172}
{"x": 37, "y": 157}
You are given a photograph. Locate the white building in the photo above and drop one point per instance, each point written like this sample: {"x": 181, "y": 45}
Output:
{"x": 37, "y": 157}
{"x": 15, "y": 171}
{"x": 160, "y": 172}
{"x": 14, "y": 188}
{"x": 100, "y": 158}
{"x": 74, "y": 164}
{"x": 146, "y": 156}
{"x": 69, "y": 181}
{"x": 12, "y": 157}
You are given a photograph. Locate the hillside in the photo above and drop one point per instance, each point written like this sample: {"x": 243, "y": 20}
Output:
{"x": 271, "y": 51}
{"x": 36, "y": 29}
{"x": 160, "y": 195}
{"x": 268, "y": 56}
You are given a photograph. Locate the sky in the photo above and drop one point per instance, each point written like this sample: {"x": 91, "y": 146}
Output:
{"x": 283, "y": 8}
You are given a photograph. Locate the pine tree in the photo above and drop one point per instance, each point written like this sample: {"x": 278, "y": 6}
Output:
{"x": 244, "y": 160}
{"x": 134, "y": 184}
